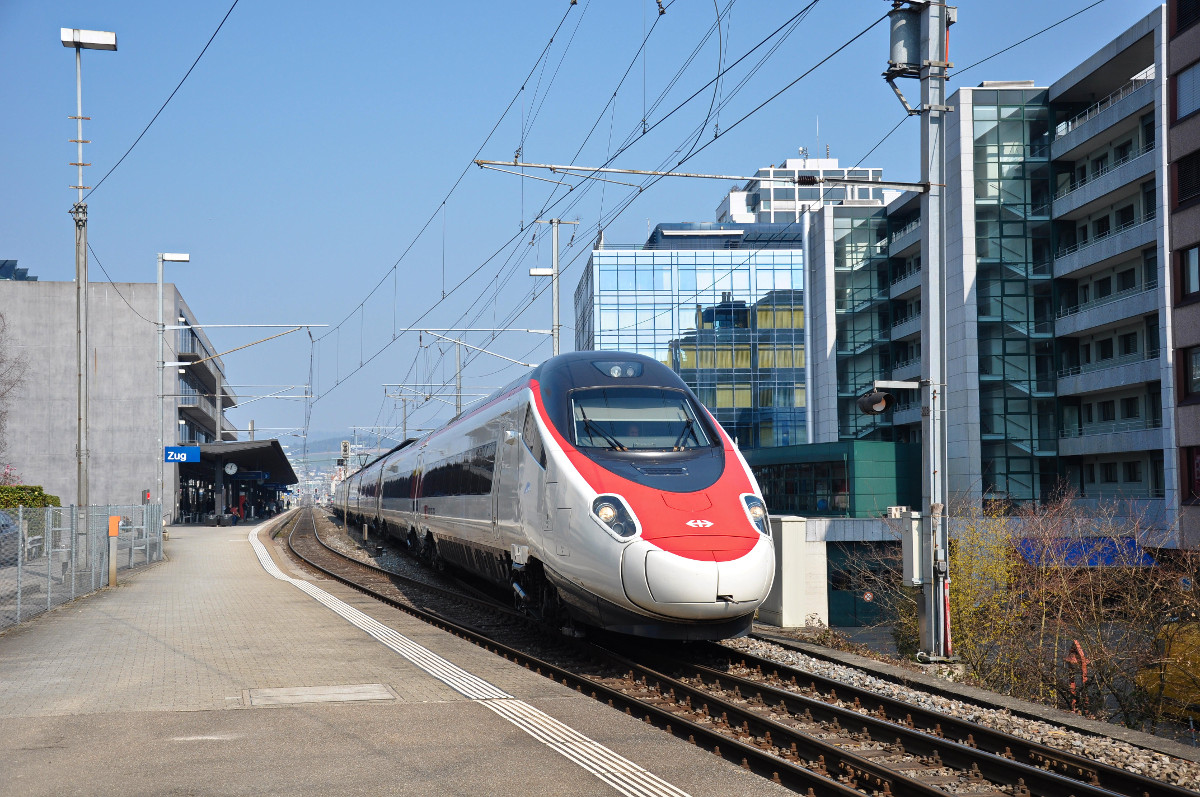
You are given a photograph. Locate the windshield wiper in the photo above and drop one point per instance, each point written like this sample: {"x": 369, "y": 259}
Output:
{"x": 588, "y": 423}
{"x": 687, "y": 427}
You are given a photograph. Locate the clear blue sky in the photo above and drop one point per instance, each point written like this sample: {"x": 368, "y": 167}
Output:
{"x": 312, "y": 143}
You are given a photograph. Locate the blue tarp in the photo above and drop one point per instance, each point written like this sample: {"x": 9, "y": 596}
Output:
{"x": 1087, "y": 552}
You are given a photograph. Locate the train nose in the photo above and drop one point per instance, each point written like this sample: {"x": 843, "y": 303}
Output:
{"x": 697, "y": 589}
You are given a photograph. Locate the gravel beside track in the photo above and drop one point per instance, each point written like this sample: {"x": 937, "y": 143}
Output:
{"x": 1104, "y": 750}
{"x": 1098, "y": 748}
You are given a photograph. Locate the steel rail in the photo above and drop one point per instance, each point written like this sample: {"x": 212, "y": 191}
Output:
{"x": 960, "y": 755}
{"x": 1084, "y": 771}
{"x": 750, "y": 756}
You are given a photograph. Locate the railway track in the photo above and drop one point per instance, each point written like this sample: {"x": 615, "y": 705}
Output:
{"x": 809, "y": 733}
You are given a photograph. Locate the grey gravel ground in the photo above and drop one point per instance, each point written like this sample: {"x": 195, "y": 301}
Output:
{"x": 1106, "y": 751}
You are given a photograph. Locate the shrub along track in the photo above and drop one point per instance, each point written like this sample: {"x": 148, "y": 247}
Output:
{"x": 789, "y": 726}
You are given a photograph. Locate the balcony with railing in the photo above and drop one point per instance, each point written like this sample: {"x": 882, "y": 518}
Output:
{"x": 906, "y": 327}
{"x": 1132, "y": 302}
{"x": 906, "y": 281}
{"x": 1118, "y": 241}
{"x": 1071, "y": 188}
{"x": 907, "y": 369}
{"x": 1113, "y": 102}
{"x": 1108, "y": 374}
{"x": 1112, "y": 437}
{"x": 905, "y": 237}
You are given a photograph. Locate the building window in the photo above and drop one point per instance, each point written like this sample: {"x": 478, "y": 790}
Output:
{"x": 1125, "y": 217}
{"x": 1187, "y": 13}
{"x": 1108, "y": 472}
{"x": 1191, "y": 488}
{"x": 1104, "y": 349}
{"x": 1191, "y": 379}
{"x": 1129, "y": 344}
{"x": 1107, "y": 410}
{"x": 1089, "y": 473}
{"x": 1133, "y": 471}
{"x": 1130, "y": 408}
{"x": 1126, "y": 280}
{"x": 1103, "y": 286}
{"x": 1187, "y": 91}
{"x": 1187, "y": 174}
{"x": 1189, "y": 273}
{"x": 1087, "y": 413}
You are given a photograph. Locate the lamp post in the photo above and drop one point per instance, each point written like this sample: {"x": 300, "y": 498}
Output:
{"x": 163, "y": 257}
{"x": 82, "y": 40}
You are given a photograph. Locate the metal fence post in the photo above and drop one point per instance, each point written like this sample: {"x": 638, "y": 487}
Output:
{"x": 74, "y": 561}
{"x": 48, "y": 552}
{"x": 20, "y": 562}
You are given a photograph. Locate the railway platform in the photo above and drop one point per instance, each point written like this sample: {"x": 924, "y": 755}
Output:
{"x": 211, "y": 674}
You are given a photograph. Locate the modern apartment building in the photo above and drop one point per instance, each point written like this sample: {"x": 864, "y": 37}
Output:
{"x": 1183, "y": 153}
{"x": 1072, "y": 285}
{"x": 128, "y": 410}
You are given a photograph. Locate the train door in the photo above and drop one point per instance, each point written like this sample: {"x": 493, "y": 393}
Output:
{"x": 556, "y": 522}
{"x": 505, "y": 511}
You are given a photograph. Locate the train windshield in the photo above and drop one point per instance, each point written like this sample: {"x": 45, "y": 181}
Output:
{"x": 633, "y": 419}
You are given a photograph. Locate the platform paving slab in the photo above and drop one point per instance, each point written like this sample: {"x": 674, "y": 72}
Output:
{"x": 184, "y": 680}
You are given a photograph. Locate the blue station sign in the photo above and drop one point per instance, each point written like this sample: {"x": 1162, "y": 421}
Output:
{"x": 181, "y": 454}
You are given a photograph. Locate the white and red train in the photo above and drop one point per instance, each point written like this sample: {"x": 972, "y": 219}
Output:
{"x": 597, "y": 488}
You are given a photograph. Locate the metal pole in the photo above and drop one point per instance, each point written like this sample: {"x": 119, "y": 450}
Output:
{"x": 933, "y": 96}
{"x": 79, "y": 212}
{"x": 458, "y": 378}
{"x": 162, "y": 389}
{"x": 220, "y": 436}
{"x": 20, "y": 558}
{"x": 554, "y": 327}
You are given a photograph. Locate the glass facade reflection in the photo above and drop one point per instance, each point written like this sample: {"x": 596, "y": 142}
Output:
{"x": 861, "y": 284}
{"x": 1017, "y": 417}
{"x": 722, "y": 305}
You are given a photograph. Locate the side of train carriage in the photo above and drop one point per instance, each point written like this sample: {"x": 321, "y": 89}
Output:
{"x": 597, "y": 488}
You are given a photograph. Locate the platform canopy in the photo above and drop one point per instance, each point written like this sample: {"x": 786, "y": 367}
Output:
{"x": 252, "y": 457}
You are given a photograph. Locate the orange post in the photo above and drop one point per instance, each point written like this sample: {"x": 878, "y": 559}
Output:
{"x": 114, "y": 526}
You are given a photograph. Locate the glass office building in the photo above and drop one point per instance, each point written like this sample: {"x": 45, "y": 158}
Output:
{"x": 722, "y": 305}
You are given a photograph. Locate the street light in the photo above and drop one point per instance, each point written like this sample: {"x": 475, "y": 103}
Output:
{"x": 82, "y": 40}
{"x": 164, "y": 257}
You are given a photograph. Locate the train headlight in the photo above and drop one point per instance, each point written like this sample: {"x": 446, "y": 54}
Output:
{"x": 756, "y": 510}
{"x": 612, "y": 512}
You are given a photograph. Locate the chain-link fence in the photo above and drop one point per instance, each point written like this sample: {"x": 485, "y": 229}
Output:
{"x": 52, "y": 555}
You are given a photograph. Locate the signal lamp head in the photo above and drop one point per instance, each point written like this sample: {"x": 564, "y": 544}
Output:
{"x": 876, "y": 402}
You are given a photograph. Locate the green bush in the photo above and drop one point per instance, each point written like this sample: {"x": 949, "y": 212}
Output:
{"x": 31, "y": 495}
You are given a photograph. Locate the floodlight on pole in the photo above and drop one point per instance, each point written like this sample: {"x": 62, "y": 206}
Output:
{"x": 82, "y": 40}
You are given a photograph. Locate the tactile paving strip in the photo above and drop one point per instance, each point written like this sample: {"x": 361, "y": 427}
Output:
{"x": 617, "y": 771}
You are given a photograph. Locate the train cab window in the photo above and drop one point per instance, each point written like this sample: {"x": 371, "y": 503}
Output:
{"x": 630, "y": 419}
{"x": 533, "y": 439}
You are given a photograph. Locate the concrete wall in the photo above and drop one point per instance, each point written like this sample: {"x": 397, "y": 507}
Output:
{"x": 963, "y": 455}
{"x": 800, "y": 594}
{"x": 126, "y": 414}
